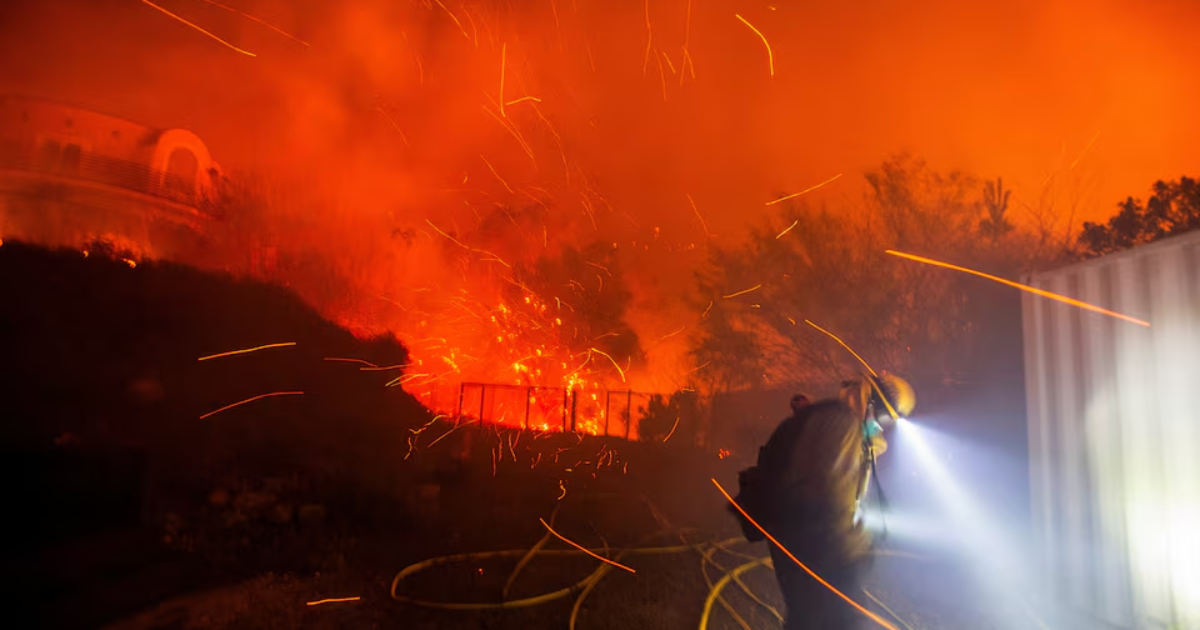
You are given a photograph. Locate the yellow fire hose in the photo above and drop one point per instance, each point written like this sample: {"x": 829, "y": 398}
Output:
{"x": 715, "y": 591}
{"x": 581, "y": 589}
{"x": 588, "y": 584}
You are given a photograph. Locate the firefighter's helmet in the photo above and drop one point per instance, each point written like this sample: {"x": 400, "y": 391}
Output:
{"x": 897, "y": 393}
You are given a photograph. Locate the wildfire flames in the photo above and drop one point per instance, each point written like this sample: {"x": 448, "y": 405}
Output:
{"x": 521, "y": 194}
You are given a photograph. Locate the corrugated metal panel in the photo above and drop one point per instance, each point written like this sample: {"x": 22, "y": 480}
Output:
{"x": 1114, "y": 426}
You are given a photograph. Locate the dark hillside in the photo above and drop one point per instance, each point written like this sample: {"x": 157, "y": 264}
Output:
{"x": 103, "y": 395}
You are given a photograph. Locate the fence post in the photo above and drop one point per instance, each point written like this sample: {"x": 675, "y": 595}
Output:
{"x": 461, "y": 392}
{"x": 628, "y": 413}
{"x": 607, "y": 405}
{"x": 574, "y": 402}
{"x": 564, "y": 422}
{"x": 482, "y": 396}
{"x": 528, "y": 397}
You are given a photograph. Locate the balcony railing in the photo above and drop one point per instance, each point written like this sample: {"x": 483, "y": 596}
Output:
{"x": 66, "y": 161}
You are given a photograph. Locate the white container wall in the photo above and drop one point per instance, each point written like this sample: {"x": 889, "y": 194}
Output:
{"x": 1114, "y": 435}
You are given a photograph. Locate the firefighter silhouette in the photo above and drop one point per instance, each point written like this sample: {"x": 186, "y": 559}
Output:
{"x": 806, "y": 488}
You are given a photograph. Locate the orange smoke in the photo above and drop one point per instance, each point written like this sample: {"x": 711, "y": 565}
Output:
{"x": 426, "y": 158}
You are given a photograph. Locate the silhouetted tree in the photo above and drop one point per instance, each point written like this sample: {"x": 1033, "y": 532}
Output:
{"x": 1173, "y": 208}
{"x": 830, "y": 266}
{"x": 725, "y": 349}
{"x": 674, "y": 419}
{"x": 995, "y": 201}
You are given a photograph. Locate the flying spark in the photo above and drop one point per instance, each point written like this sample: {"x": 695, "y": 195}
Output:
{"x": 526, "y": 98}
{"x": 493, "y": 170}
{"x": 662, "y": 76}
{"x": 874, "y": 385}
{"x": 345, "y": 360}
{"x": 687, "y": 36}
{"x": 384, "y": 368}
{"x": 703, "y": 223}
{"x": 649, "y": 39}
{"x": 670, "y": 65}
{"x": 460, "y": 26}
{"x": 583, "y": 549}
{"x": 1046, "y": 294}
{"x": 675, "y": 426}
{"x": 247, "y": 350}
{"x": 668, "y": 336}
{"x": 460, "y": 244}
{"x": 503, "y": 52}
{"x": 443, "y": 436}
{"x": 742, "y": 292}
{"x": 250, "y": 400}
{"x": 876, "y": 618}
{"x": 843, "y": 344}
{"x": 1085, "y": 150}
{"x": 395, "y": 126}
{"x": 512, "y": 130}
{"x": 789, "y": 229}
{"x": 333, "y": 600}
{"x": 610, "y": 359}
{"x": 244, "y": 52}
{"x": 802, "y": 192}
{"x": 252, "y": 18}
{"x": 770, "y": 55}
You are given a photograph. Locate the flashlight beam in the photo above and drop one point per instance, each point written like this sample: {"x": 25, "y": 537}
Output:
{"x": 872, "y": 616}
{"x": 1017, "y": 285}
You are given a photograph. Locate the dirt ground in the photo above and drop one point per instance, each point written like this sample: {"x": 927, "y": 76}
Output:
{"x": 667, "y": 499}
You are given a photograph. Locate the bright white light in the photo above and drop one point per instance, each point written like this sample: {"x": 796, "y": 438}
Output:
{"x": 968, "y": 523}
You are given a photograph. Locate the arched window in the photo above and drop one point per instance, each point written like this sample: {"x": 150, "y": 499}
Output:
{"x": 181, "y": 165}
{"x": 182, "y": 171}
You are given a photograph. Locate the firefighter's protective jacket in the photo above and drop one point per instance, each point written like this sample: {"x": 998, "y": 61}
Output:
{"x": 813, "y": 466}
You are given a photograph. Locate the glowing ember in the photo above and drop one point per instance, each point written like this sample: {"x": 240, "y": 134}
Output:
{"x": 333, "y": 600}
{"x": 250, "y": 400}
{"x": 843, "y": 344}
{"x": 802, "y": 192}
{"x": 1046, "y": 294}
{"x": 254, "y": 19}
{"x": 254, "y": 349}
{"x": 176, "y": 17}
{"x": 770, "y": 55}
{"x": 742, "y": 292}
{"x": 584, "y": 549}
{"x": 872, "y": 616}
